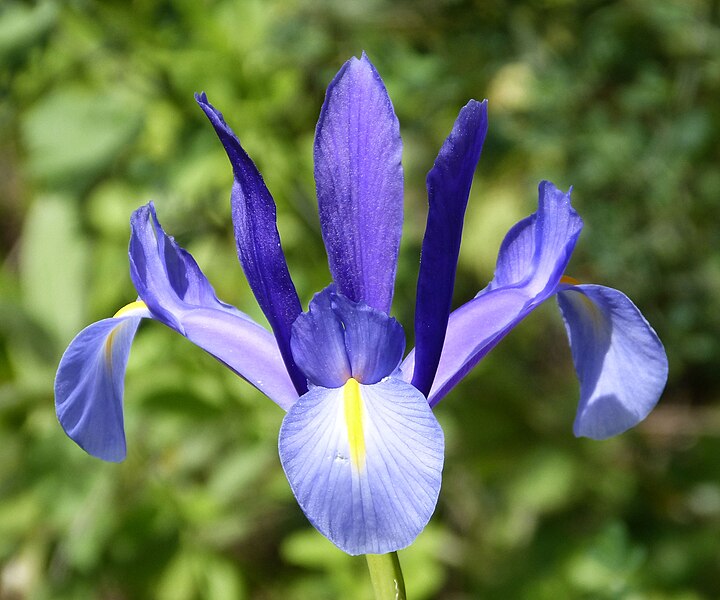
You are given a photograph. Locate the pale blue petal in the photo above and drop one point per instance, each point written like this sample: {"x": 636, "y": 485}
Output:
{"x": 619, "y": 359}
{"x": 530, "y": 263}
{"x": 372, "y": 501}
{"x": 89, "y": 384}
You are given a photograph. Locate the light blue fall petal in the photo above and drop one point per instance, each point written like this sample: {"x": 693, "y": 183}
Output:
{"x": 531, "y": 261}
{"x": 619, "y": 359}
{"x": 359, "y": 180}
{"x": 473, "y": 330}
{"x": 89, "y": 384}
{"x": 364, "y": 463}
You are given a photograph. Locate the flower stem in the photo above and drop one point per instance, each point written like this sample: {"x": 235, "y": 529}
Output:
{"x": 386, "y": 576}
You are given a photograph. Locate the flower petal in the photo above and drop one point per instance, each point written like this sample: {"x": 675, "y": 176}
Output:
{"x": 359, "y": 180}
{"x": 318, "y": 343}
{"x": 536, "y": 251}
{"x": 258, "y": 241}
{"x": 619, "y": 359}
{"x": 364, "y": 463}
{"x": 375, "y": 342}
{"x": 90, "y": 380}
{"x": 177, "y": 293}
{"x": 338, "y": 339}
{"x": 473, "y": 330}
{"x": 448, "y": 185}
{"x": 530, "y": 263}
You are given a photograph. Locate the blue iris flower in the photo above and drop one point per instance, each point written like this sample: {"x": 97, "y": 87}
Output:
{"x": 359, "y": 444}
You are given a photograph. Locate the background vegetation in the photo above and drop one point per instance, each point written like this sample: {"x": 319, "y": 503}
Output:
{"x": 618, "y": 99}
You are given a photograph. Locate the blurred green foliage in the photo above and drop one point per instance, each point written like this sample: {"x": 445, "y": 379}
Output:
{"x": 618, "y": 99}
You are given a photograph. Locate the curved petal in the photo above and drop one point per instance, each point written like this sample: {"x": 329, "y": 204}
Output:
{"x": 258, "y": 241}
{"x": 530, "y": 263}
{"x": 318, "y": 343}
{"x": 536, "y": 251}
{"x": 338, "y": 339}
{"x": 448, "y": 185}
{"x": 473, "y": 330}
{"x": 375, "y": 342}
{"x": 177, "y": 293}
{"x": 245, "y": 347}
{"x": 364, "y": 463}
{"x": 618, "y": 357}
{"x": 90, "y": 380}
{"x": 359, "y": 180}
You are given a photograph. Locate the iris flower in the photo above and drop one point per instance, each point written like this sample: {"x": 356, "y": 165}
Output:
{"x": 360, "y": 445}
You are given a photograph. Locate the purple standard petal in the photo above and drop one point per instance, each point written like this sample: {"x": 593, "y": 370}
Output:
{"x": 258, "y": 242}
{"x": 177, "y": 293}
{"x": 338, "y": 339}
{"x": 365, "y": 463}
{"x": 359, "y": 180}
{"x": 531, "y": 261}
{"x": 618, "y": 357}
{"x": 90, "y": 380}
{"x": 448, "y": 185}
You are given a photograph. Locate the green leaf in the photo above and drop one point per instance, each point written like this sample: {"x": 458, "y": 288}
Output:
{"x": 75, "y": 134}
{"x": 53, "y": 265}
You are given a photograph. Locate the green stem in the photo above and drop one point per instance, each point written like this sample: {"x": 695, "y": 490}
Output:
{"x": 386, "y": 576}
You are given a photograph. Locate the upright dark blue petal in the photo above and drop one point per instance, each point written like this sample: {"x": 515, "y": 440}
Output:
{"x": 258, "y": 242}
{"x": 619, "y": 359}
{"x": 359, "y": 181}
{"x": 448, "y": 185}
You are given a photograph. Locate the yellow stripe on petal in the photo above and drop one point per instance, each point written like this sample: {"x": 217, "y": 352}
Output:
{"x": 569, "y": 280}
{"x": 354, "y": 422}
{"x": 128, "y": 307}
{"x": 138, "y": 304}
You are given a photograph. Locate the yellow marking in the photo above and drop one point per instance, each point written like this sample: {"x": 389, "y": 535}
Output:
{"x": 109, "y": 341}
{"x": 128, "y": 307}
{"x": 594, "y": 311}
{"x": 569, "y": 280}
{"x": 354, "y": 422}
